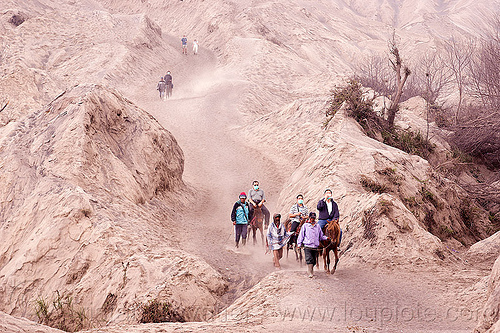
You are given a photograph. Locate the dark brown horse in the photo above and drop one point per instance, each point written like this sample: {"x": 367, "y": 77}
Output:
{"x": 170, "y": 86}
{"x": 332, "y": 231}
{"x": 256, "y": 223}
{"x": 292, "y": 243}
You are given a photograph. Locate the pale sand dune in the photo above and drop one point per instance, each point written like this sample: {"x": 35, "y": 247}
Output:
{"x": 249, "y": 106}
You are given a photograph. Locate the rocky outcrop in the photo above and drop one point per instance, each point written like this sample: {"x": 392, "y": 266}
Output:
{"x": 490, "y": 319}
{"x": 90, "y": 188}
{"x": 395, "y": 226}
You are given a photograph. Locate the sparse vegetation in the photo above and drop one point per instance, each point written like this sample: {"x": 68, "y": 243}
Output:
{"x": 361, "y": 109}
{"x": 156, "y": 311}
{"x": 391, "y": 175}
{"x": 411, "y": 142}
{"x": 429, "y": 197}
{"x": 63, "y": 315}
{"x": 369, "y": 224}
{"x": 357, "y": 107}
{"x": 372, "y": 186}
{"x": 468, "y": 213}
{"x": 384, "y": 207}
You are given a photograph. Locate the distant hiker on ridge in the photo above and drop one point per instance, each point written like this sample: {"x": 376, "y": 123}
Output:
{"x": 184, "y": 42}
{"x": 195, "y": 47}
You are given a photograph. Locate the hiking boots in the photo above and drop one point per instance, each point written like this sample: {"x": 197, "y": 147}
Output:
{"x": 243, "y": 241}
{"x": 236, "y": 245}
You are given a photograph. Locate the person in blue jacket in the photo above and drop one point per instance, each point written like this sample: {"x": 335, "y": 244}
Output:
{"x": 240, "y": 216}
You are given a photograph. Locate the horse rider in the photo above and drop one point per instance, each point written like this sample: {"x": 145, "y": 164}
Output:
{"x": 310, "y": 236}
{"x": 257, "y": 198}
{"x": 328, "y": 211}
{"x": 240, "y": 217}
{"x": 277, "y": 237}
{"x": 296, "y": 211}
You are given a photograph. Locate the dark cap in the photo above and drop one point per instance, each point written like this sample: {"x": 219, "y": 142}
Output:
{"x": 276, "y": 215}
{"x": 312, "y": 214}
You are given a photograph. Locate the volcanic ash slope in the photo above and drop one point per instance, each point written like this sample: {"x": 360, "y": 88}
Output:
{"x": 90, "y": 189}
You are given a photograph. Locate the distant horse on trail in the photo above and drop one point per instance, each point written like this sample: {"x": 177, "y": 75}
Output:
{"x": 170, "y": 86}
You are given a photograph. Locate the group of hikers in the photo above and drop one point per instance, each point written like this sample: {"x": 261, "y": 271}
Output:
{"x": 165, "y": 85}
{"x": 184, "y": 43}
{"x": 303, "y": 227}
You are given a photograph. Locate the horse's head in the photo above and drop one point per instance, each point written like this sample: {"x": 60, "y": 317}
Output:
{"x": 332, "y": 229}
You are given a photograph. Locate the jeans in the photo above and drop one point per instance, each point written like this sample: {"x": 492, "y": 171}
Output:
{"x": 240, "y": 230}
{"x": 310, "y": 254}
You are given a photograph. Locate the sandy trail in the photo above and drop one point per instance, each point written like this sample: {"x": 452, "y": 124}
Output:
{"x": 203, "y": 116}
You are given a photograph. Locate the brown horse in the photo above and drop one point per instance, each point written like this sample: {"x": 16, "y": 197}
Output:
{"x": 170, "y": 86}
{"x": 332, "y": 231}
{"x": 292, "y": 243}
{"x": 256, "y": 223}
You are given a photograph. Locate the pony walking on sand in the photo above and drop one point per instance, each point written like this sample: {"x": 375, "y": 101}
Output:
{"x": 332, "y": 231}
{"x": 256, "y": 223}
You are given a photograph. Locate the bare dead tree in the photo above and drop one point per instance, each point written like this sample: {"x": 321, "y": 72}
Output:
{"x": 433, "y": 75}
{"x": 479, "y": 131}
{"x": 374, "y": 72}
{"x": 402, "y": 72}
{"x": 485, "y": 69}
{"x": 458, "y": 56}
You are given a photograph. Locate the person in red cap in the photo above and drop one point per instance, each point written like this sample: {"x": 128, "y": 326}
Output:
{"x": 240, "y": 216}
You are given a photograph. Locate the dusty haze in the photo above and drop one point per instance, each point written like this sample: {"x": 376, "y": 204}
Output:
{"x": 113, "y": 197}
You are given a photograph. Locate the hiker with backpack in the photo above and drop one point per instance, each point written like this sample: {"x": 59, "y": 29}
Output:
{"x": 161, "y": 87}
{"x": 240, "y": 216}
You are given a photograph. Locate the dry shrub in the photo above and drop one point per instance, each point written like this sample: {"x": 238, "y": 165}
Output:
{"x": 372, "y": 186}
{"x": 369, "y": 224}
{"x": 361, "y": 109}
{"x": 156, "y": 311}
{"x": 63, "y": 315}
{"x": 478, "y": 135}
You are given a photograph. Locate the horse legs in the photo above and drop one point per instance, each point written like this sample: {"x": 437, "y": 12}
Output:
{"x": 262, "y": 235}
{"x": 298, "y": 253}
{"x": 326, "y": 260}
{"x": 336, "y": 252}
